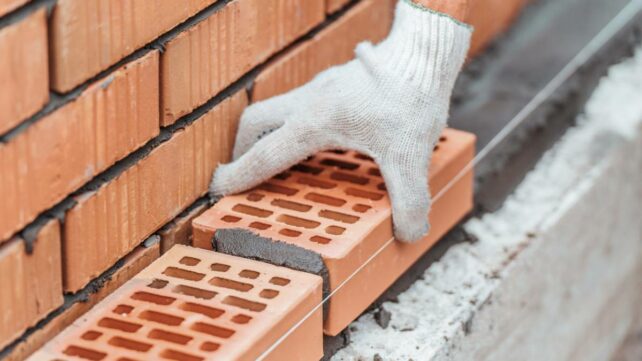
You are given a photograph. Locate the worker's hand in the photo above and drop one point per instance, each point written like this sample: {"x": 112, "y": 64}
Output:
{"x": 390, "y": 103}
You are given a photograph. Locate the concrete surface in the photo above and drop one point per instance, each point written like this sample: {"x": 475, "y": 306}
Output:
{"x": 556, "y": 272}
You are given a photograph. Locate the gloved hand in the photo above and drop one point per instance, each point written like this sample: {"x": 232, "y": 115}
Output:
{"x": 390, "y": 103}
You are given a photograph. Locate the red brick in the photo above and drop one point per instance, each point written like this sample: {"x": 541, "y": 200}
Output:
{"x": 31, "y": 284}
{"x": 335, "y": 205}
{"x": 187, "y": 303}
{"x": 23, "y": 68}
{"x": 490, "y": 18}
{"x": 368, "y": 20}
{"x": 208, "y": 57}
{"x": 7, "y": 6}
{"x": 179, "y": 230}
{"x": 133, "y": 263}
{"x": 108, "y": 222}
{"x": 334, "y": 5}
{"x": 88, "y": 36}
{"x": 58, "y": 154}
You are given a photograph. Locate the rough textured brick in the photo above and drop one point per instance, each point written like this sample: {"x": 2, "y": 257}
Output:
{"x": 208, "y": 57}
{"x": 368, "y": 20}
{"x": 30, "y": 284}
{"x": 133, "y": 263}
{"x": 196, "y": 305}
{"x": 179, "y": 230}
{"x": 87, "y": 36}
{"x": 59, "y": 153}
{"x": 110, "y": 221}
{"x": 334, "y": 5}
{"x": 23, "y": 68}
{"x": 10, "y": 5}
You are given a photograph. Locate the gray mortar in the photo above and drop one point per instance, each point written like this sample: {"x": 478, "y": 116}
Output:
{"x": 247, "y": 244}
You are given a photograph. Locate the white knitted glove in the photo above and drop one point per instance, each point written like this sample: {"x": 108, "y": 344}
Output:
{"x": 390, "y": 103}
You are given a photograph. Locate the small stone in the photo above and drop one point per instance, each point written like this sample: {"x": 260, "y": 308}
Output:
{"x": 377, "y": 357}
{"x": 382, "y": 317}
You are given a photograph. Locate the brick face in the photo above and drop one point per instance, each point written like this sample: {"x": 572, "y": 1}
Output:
{"x": 490, "y": 18}
{"x": 368, "y": 20}
{"x": 87, "y": 36}
{"x": 334, "y": 5}
{"x": 23, "y": 68}
{"x": 205, "y": 59}
{"x": 59, "y": 153}
{"x": 7, "y": 6}
{"x": 31, "y": 284}
{"x": 109, "y": 222}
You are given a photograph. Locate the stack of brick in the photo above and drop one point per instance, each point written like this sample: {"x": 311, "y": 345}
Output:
{"x": 113, "y": 117}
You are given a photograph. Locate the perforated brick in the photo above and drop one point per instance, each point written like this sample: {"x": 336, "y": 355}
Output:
{"x": 335, "y": 205}
{"x": 193, "y": 304}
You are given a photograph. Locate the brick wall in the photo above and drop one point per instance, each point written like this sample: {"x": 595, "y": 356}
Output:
{"x": 113, "y": 115}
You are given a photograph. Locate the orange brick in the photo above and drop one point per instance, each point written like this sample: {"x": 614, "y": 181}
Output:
{"x": 368, "y": 20}
{"x": 490, "y": 18}
{"x": 23, "y": 68}
{"x": 193, "y": 304}
{"x": 208, "y": 57}
{"x": 7, "y": 6}
{"x": 335, "y": 206}
{"x": 334, "y": 5}
{"x": 89, "y": 36}
{"x": 31, "y": 284}
{"x": 133, "y": 263}
{"x": 108, "y": 222}
{"x": 179, "y": 230}
{"x": 58, "y": 154}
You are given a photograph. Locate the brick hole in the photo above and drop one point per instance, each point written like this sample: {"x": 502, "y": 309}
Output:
{"x": 246, "y": 273}
{"x": 340, "y": 164}
{"x": 268, "y": 293}
{"x": 319, "y": 239}
{"x": 85, "y": 353}
{"x": 161, "y": 318}
{"x": 302, "y": 168}
{"x": 436, "y": 148}
{"x": 241, "y": 319}
{"x": 209, "y": 346}
{"x": 157, "y": 284}
{"x": 279, "y": 281}
{"x": 219, "y": 267}
{"x": 208, "y": 311}
{"x": 123, "y": 309}
{"x": 323, "y": 199}
{"x": 230, "y": 219}
{"x": 212, "y": 330}
{"x": 126, "y": 343}
{"x": 295, "y": 206}
{"x": 189, "y": 261}
{"x": 375, "y": 172}
{"x": 335, "y": 230}
{"x": 273, "y": 188}
{"x": 153, "y": 298}
{"x": 170, "y": 354}
{"x": 443, "y": 138}
{"x": 172, "y": 337}
{"x": 363, "y": 194}
{"x": 338, "y": 216}
{"x": 125, "y": 359}
{"x": 259, "y": 225}
{"x": 361, "y": 208}
{"x": 252, "y": 211}
{"x": 244, "y": 304}
{"x": 115, "y": 324}
{"x": 254, "y": 197}
{"x": 183, "y": 274}
{"x": 283, "y": 176}
{"x": 338, "y": 151}
{"x": 345, "y": 177}
{"x": 316, "y": 183}
{"x": 289, "y": 232}
{"x": 91, "y": 335}
{"x": 363, "y": 157}
{"x": 231, "y": 284}
{"x": 381, "y": 186}
{"x": 297, "y": 222}
{"x": 194, "y": 292}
